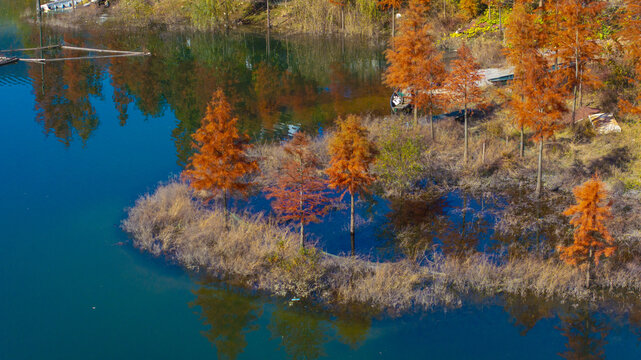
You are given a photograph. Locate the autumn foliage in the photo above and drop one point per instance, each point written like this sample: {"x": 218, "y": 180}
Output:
{"x": 414, "y": 62}
{"x": 538, "y": 89}
{"x": 300, "y": 192}
{"x": 575, "y": 38}
{"x": 591, "y": 237}
{"x": 462, "y": 85}
{"x": 631, "y": 34}
{"x": 352, "y": 154}
{"x": 220, "y": 165}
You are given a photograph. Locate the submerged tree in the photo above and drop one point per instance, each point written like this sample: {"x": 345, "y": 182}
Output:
{"x": 415, "y": 64}
{"x": 591, "y": 237}
{"x": 352, "y": 154}
{"x": 462, "y": 85}
{"x": 300, "y": 192}
{"x": 220, "y": 165}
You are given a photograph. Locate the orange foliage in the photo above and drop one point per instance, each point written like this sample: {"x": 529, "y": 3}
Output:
{"x": 591, "y": 238}
{"x": 220, "y": 163}
{"x": 390, "y": 4}
{"x": 300, "y": 192}
{"x": 576, "y": 41}
{"x": 523, "y": 41}
{"x": 631, "y": 33}
{"x": 352, "y": 154}
{"x": 462, "y": 84}
{"x": 469, "y": 8}
{"x": 414, "y": 63}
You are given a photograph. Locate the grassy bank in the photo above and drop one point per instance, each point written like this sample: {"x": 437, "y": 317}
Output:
{"x": 256, "y": 253}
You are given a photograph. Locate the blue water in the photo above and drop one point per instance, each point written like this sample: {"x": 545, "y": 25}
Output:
{"x": 72, "y": 286}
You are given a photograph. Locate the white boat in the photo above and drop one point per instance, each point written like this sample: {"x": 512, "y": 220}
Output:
{"x": 60, "y": 5}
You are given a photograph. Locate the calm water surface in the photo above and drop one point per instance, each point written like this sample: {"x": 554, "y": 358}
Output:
{"x": 83, "y": 140}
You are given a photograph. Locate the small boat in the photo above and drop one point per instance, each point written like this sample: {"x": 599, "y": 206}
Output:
{"x": 7, "y": 60}
{"x": 60, "y": 5}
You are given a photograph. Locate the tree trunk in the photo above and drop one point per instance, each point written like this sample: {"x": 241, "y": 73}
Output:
{"x": 38, "y": 9}
{"x": 352, "y": 232}
{"x": 415, "y": 114}
{"x": 576, "y": 76}
{"x": 225, "y": 210}
{"x": 300, "y": 209}
{"x": 522, "y": 145}
{"x": 539, "y": 184}
{"x": 268, "y": 19}
{"x": 393, "y": 24}
{"x": 581, "y": 88}
{"x": 343, "y": 18}
{"x": 587, "y": 272}
{"x": 500, "y": 19}
{"x": 432, "y": 126}
{"x": 465, "y": 132}
{"x": 483, "y": 153}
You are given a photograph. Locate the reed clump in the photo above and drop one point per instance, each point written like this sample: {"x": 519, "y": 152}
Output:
{"x": 259, "y": 254}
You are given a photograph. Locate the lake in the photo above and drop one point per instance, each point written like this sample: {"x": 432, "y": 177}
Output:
{"x": 83, "y": 140}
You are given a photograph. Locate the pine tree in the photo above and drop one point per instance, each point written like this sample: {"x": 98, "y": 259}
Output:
{"x": 414, "y": 62}
{"x": 462, "y": 85}
{"x": 220, "y": 165}
{"x": 300, "y": 192}
{"x": 591, "y": 237}
{"x": 352, "y": 154}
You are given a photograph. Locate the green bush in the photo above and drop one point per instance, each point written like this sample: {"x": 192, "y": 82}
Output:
{"x": 400, "y": 164}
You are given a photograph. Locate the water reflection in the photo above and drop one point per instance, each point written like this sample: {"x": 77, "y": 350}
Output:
{"x": 304, "y": 82}
{"x": 230, "y": 317}
{"x": 303, "y": 334}
{"x": 586, "y": 335}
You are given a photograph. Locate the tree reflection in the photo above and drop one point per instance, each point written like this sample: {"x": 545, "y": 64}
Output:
{"x": 352, "y": 326}
{"x": 302, "y": 334}
{"x": 465, "y": 229}
{"x": 230, "y": 316}
{"x": 586, "y": 336}
{"x": 417, "y": 221}
{"x": 527, "y": 310}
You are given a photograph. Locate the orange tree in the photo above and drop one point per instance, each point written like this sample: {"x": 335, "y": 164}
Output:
{"x": 392, "y": 5}
{"x": 469, "y": 8}
{"x": 462, "y": 85}
{"x": 300, "y": 192}
{"x": 577, "y": 44}
{"x": 220, "y": 165}
{"x": 537, "y": 90}
{"x": 352, "y": 154}
{"x": 631, "y": 35}
{"x": 523, "y": 40}
{"x": 591, "y": 237}
{"x": 414, "y": 62}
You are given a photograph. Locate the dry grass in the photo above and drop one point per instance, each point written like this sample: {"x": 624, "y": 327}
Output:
{"x": 259, "y": 254}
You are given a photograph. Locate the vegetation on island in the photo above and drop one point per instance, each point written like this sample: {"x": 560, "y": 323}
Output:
{"x": 402, "y": 159}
